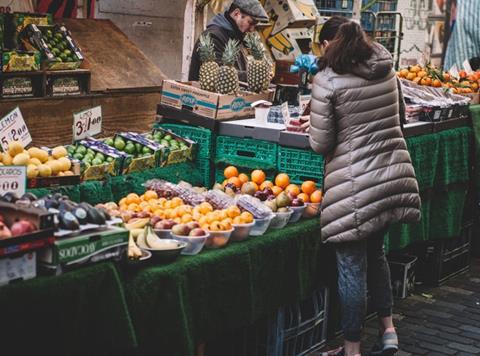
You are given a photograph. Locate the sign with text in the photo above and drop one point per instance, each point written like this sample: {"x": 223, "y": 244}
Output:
{"x": 13, "y": 179}
{"x": 285, "y": 113}
{"x": 87, "y": 123}
{"x": 13, "y": 128}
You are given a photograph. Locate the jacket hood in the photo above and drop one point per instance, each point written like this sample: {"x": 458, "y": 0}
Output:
{"x": 378, "y": 66}
{"x": 221, "y": 21}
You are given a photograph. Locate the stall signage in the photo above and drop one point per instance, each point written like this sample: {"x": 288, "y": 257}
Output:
{"x": 87, "y": 123}
{"x": 13, "y": 128}
{"x": 13, "y": 179}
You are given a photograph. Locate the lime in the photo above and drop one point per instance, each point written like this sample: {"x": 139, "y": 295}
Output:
{"x": 90, "y": 151}
{"x": 97, "y": 162}
{"x": 109, "y": 141}
{"x": 100, "y": 156}
{"x": 89, "y": 156}
{"x": 119, "y": 144}
{"x": 149, "y": 137}
{"x": 67, "y": 52}
{"x": 110, "y": 159}
{"x": 49, "y": 33}
{"x": 130, "y": 148}
{"x": 63, "y": 57}
{"x": 81, "y": 149}
{"x": 58, "y": 36}
{"x": 138, "y": 147}
{"x": 147, "y": 151}
{"x": 168, "y": 137}
{"x": 78, "y": 156}
{"x": 71, "y": 150}
{"x": 164, "y": 143}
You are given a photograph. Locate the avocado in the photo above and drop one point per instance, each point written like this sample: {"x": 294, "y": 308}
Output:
{"x": 81, "y": 215}
{"x": 66, "y": 205}
{"x": 105, "y": 213}
{"x": 9, "y": 197}
{"x": 95, "y": 217}
{"x": 68, "y": 221}
{"x": 29, "y": 196}
{"x": 51, "y": 203}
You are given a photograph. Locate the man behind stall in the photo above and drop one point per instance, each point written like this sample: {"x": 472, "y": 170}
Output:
{"x": 240, "y": 18}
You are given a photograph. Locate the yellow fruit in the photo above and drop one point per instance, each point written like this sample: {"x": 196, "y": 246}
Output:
{"x": 14, "y": 148}
{"x": 61, "y": 174}
{"x": 59, "y": 151}
{"x": 32, "y": 171}
{"x": 65, "y": 163}
{"x": 42, "y": 155}
{"x": 68, "y": 173}
{"x": 247, "y": 217}
{"x": 44, "y": 170}
{"x": 20, "y": 159}
{"x": 1, "y": 156}
{"x": 7, "y": 159}
{"x": 34, "y": 161}
{"x": 55, "y": 166}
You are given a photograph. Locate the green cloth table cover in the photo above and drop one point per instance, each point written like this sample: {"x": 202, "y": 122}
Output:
{"x": 475, "y": 114}
{"x": 176, "y": 307}
{"x": 82, "y": 312}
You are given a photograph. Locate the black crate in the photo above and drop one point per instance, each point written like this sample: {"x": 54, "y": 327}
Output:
{"x": 402, "y": 272}
{"x": 440, "y": 260}
{"x": 300, "y": 328}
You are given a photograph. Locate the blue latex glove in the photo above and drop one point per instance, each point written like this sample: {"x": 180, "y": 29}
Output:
{"x": 307, "y": 62}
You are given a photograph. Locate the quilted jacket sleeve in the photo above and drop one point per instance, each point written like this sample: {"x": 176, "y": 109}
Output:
{"x": 322, "y": 118}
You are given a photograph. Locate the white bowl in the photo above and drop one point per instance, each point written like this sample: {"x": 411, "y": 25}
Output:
{"x": 218, "y": 239}
{"x": 281, "y": 219}
{"x": 297, "y": 213}
{"x": 163, "y": 233}
{"x": 241, "y": 231}
{"x": 311, "y": 210}
{"x": 261, "y": 226}
{"x": 194, "y": 243}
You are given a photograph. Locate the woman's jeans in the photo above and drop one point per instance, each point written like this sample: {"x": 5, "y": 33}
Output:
{"x": 362, "y": 265}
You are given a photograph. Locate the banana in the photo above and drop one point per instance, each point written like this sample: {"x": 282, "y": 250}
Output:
{"x": 135, "y": 233}
{"x": 137, "y": 223}
{"x": 141, "y": 240}
{"x": 133, "y": 251}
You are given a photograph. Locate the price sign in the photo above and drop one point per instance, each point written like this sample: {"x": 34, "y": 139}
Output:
{"x": 13, "y": 128}
{"x": 467, "y": 67}
{"x": 285, "y": 113}
{"x": 87, "y": 123}
{"x": 454, "y": 71}
{"x": 13, "y": 179}
{"x": 303, "y": 101}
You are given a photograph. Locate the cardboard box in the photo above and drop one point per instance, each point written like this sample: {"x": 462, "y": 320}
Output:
{"x": 45, "y": 182}
{"x": 88, "y": 248}
{"x": 18, "y": 268}
{"x": 23, "y": 19}
{"x": 190, "y": 97}
{"x": 290, "y": 43}
{"x": 251, "y": 128}
{"x": 20, "y": 61}
{"x": 291, "y": 13}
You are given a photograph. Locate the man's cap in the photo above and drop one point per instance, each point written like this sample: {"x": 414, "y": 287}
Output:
{"x": 252, "y": 8}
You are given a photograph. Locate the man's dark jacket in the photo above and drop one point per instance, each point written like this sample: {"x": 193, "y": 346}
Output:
{"x": 221, "y": 29}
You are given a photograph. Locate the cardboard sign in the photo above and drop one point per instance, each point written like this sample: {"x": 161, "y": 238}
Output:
{"x": 13, "y": 128}
{"x": 87, "y": 123}
{"x": 13, "y": 179}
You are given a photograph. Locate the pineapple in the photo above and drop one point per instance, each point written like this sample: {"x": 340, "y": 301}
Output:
{"x": 258, "y": 69}
{"x": 228, "y": 76}
{"x": 209, "y": 69}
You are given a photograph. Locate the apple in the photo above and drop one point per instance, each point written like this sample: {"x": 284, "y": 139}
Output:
{"x": 268, "y": 191}
{"x": 22, "y": 227}
{"x": 297, "y": 202}
{"x": 197, "y": 232}
{"x": 260, "y": 195}
{"x": 180, "y": 230}
{"x": 192, "y": 225}
{"x": 155, "y": 219}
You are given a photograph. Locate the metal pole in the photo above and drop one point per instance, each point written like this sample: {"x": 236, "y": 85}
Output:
{"x": 357, "y": 9}
{"x": 446, "y": 29}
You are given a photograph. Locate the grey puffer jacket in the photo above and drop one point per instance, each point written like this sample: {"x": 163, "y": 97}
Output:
{"x": 369, "y": 179}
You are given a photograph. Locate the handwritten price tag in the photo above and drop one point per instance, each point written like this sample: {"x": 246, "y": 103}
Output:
{"x": 13, "y": 179}
{"x": 87, "y": 123}
{"x": 13, "y": 128}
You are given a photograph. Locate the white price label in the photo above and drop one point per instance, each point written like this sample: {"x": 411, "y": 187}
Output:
{"x": 87, "y": 123}
{"x": 467, "y": 67}
{"x": 13, "y": 179}
{"x": 303, "y": 101}
{"x": 13, "y": 128}
{"x": 285, "y": 113}
{"x": 454, "y": 71}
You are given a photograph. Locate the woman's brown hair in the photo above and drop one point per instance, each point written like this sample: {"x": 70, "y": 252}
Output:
{"x": 348, "y": 45}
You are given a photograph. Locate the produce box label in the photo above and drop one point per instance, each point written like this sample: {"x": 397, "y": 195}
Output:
{"x": 17, "y": 61}
{"x": 18, "y": 268}
{"x": 13, "y": 128}
{"x": 17, "y": 87}
{"x": 87, "y": 123}
{"x": 13, "y": 179}
{"x": 65, "y": 86}
{"x": 22, "y": 20}
{"x": 88, "y": 248}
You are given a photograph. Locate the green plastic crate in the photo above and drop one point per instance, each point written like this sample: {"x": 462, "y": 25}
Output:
{"x": 220, "y": 167}
{"x": 203, "y": 137}
{"x": 246, "y": 152}
{"x": 300, "y": 165}
{"x": 206, "y": 168}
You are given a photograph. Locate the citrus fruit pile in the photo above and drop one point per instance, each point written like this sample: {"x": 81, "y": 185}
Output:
{"x": 39, "y": 163}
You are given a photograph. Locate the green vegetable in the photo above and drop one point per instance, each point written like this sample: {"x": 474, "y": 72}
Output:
{"x": 81, "y": 149}
{"x": 119, "y": 144}
{"x": 109, "y": 141}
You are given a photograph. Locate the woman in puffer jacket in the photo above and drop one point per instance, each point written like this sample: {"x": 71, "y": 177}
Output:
{"x": 369, "y": 180}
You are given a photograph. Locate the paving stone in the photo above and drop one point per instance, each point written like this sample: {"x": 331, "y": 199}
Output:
{"x": 464, "y": 348}
{"x": 455, "y": 338}
{"x": 470, "y": 335}
{"x": 456, "y": 290}
{"x": 414, "y": 350}
{"x": 429, "y": 338}
{"x": 438, "y": 314}
{"x": 464, "y": 354}
{"x": 443, "y": 328}
{"x": 470, "y": 328}
{"x": 403, "y": 353}
{"x": 438, "y": 348}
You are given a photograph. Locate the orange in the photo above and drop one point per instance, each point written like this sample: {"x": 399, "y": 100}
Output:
{"x": 276, "y": 190}
{"x": 177, "y": 202}
{"x": 186, "y": 218}
{"x": 236, "y": 181}
{"x": 411, "y": 76}
{"x": 417, "y": 80}
{"x": 282, "y": 180}
{"x": 243, "y": 177}
{"x": 415, "y": 69}
{"x": 293, "y": 189}
{"x": 266, "y": 184}
{"x": 255, "y": 185}
{"x": 150, "y": 194}
{"x": 205, "y": 208}
{"x": 316, "y": 196}
{"x": 437, "y": 83}
{"x": 224, "y": 183}
{"x": 247, "y": 217}
{"x": 122, "y": 201}
{"x": 258, "y": 176}
{"x": 304, "y": 197}
{"x": 421, "y": 74}
{"x": 403, "y": 73}
{"x": 238, "y": 220}
{"x": 230, "y": 172}
{"x": 133, "y": 198}
{"x": 233, "y": 211}
{"x": 133, "y": 207}
{"x": 308, "y": 187}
